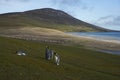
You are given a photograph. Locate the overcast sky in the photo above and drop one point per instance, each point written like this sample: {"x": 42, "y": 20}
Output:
{"x": 104, "y": 13}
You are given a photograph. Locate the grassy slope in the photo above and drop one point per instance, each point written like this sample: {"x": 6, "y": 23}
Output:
{"x": 76, "y": 63}
{"x": 17, "y": 20}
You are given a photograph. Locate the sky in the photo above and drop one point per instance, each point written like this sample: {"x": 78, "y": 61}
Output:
{"x": 103, "y": 13}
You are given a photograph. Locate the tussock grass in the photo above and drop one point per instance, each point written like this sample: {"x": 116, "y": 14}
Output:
{"x": 76, "y": 63}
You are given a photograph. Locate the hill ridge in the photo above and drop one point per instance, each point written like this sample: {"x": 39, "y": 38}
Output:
{"x": 48, "y": 18}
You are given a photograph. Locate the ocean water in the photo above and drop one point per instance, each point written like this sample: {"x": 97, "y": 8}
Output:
{"x": 106, "y": 36}
{"x": 99, "y": 35}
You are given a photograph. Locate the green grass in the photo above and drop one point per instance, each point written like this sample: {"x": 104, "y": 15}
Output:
{"x": 76, "y": 63}
{"x": 24, "y": 21}
{"x": 18, "y": 20}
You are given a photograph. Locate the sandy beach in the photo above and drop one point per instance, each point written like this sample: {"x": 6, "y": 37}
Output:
{"x": 107, "y": 46}
{"x": 58, "y": 37}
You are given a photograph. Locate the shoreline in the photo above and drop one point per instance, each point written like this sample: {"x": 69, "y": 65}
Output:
{"x": 58, "y": 37}
{"x": 110, "y": 52}
{"x": 104, "y": 40}
{"x": 98, "y": 37}
{"x": 106, "y": 46}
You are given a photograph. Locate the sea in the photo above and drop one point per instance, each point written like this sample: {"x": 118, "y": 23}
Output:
{"x": 99, "y": 35}
{"x": 106, "y": 36}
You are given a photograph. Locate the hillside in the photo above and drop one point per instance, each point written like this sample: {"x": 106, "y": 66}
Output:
{"x": 46, "y": 18}
{"x": 76, "y": 63}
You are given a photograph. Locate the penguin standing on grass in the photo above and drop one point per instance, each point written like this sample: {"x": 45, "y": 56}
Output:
{"x": 57, "y": 58}
{"x": 47, "y": 53}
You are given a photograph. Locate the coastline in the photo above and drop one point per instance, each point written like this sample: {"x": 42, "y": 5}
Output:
{"x": 58, "y": 37}
{"x": 101, "y": 45}
{"x": 110, "y": 52}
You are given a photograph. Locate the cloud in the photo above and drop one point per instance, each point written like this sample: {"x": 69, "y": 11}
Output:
{"x": 109, "y": 20}
{"x": 7, "y": 6}
{"x": 14, "y": 0}
{"x": 73, "y": 7}
{"x": 19, "y": 0}
{"x": 67, "y": 4}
